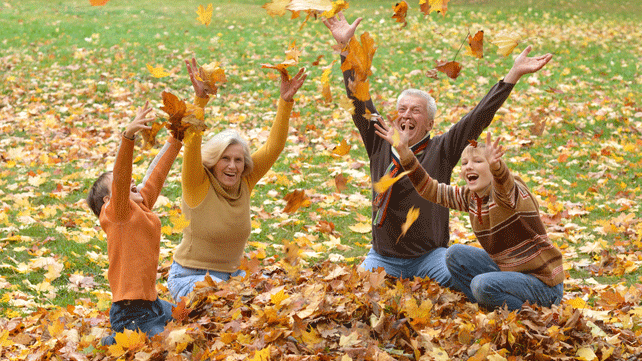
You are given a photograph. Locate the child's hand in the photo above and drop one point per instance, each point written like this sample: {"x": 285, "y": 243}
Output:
{"x": 201, "y": 88}
{"x": 140, "y": 122}
{"x": 394, "y": 135}
{"x": 493, "y": 151}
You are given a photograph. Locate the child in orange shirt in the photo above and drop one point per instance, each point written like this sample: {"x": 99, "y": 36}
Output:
{"x": 133, "y": 233}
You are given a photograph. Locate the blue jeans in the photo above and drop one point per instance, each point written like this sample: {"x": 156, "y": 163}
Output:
{"x": 476, "y": 275}
{"x": 432, "y": 265}
{"x": 181, "y": 280}
{"x": 147, "y": 316}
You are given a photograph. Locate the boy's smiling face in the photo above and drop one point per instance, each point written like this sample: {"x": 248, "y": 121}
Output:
{"x": 475, "y": 170}
{"x": 134, "y": 195}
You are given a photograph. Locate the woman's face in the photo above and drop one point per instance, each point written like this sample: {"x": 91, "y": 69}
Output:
{"x": 229, "y": 168}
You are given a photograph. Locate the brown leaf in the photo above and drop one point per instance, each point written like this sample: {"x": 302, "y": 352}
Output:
{"x": 450, "y": 68}
{"x": 295, "y": 200}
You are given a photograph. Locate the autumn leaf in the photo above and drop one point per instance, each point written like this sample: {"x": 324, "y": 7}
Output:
{"x": 387, "y": 181}
{"x": 413, "y": 214}
{"x": 149, "y": 135}
{"x": 205, "y": 14}
{"x": 400, "y": 9}
{"x": 506, "y": 42}
{"x": 476, "y": 45}
{"x": 473, "y": 143}
{"x": 337, "y": 6}
{"x": 295, "y": 199}
{"x": 98, "y": 2}
{"x": 359, "y": 60}
{"x": 428, "y": 6}
{"x": 212, "y": 74}
{"x": 451, "y": 68}
{"x": 340, "y": 182}
{"x": 176, "y": 109}
{"x": 127, "y": 340}
{"x": 341, "y": 149}
{"x": 276, "y": 7}
{"x": 310, "y": 5}
{"x": 157, "y": 72}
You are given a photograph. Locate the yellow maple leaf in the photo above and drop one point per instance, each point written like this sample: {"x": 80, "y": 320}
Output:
{"x": 577, "y": 302}
{"x": 337, "y": 6}
{"x": 262, "y": 355}
{"x": 429, "y": 6}
{"x": 586, "y": 353}
{"x": 506, "y": 42}
{"x": 293, "y": 53}
{"x": 416, "y": 311}
{"x": 310, "y": 5}
{"x": 341, "y": 149}
{"x": 359, "y": 60}
{"x": 127, "y": 340}
{"x": 205, "y": 14}
{"x": 361, "y": 227}
{"x": 278, "y": 298}
{"x": 412, "y": 216}
{"x": 387, "y": 181}
{"x": 157, "y": 72}
{"x": 276, "y": 7}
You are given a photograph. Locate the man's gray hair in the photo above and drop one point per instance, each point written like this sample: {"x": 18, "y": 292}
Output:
{"x": 431, "y": 107}
{"x": 212, "y": 151}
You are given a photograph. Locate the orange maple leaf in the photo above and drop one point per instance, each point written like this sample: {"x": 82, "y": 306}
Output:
{"x": 476, "y": 45}
{"x": 341, "y": 149}
{"x": 149, "y": 135}
{"x": 340, "y": 181}
{"x": 387, "y": 181}
{"x": 401, "y": 10}
{"x": 176, "y": 110}
{"x": 359, "y": 59}
{"x": 295, "y": 199}
{"x": 450, "y": 68}
{"x": 212, "y": 74}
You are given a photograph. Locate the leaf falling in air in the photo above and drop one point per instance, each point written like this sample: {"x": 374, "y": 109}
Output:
{"x": 476, "y": 45}
{"x": 205, "y": 14}
{"x": 401, "y": 10}
{"x": 387, "y": 181}
{"x": 412, "y": 216}
{"x": 451, "y": 68}
{"x": 276, "y": 7}
{"x": 429, "y": 6}
{"x": 359, "y": 60}
{"x": 506, "y": 42}
{"x": 342, "y": 149}
{"x": 295, "y": 199}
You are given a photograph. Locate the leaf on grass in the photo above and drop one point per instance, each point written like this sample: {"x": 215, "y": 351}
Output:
{"x": 205, "y": 14}
{"x": 401, "y": 10}
{"x": 157, "y": 72}
{"x": 387, "y": 181}
{"x": 451, "y": 68}
{"x": 341, "y": 149}
{"x": 506, "y": 42}
{"x": 295, "y": 199}
{"x": 476, "y": 45}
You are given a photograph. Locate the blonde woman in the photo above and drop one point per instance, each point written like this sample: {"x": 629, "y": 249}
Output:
{"x": 217, "y": 181}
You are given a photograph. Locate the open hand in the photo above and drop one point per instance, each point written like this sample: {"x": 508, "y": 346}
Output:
{"x": 341, "y": 30}
{"x": 393, "y": 134}
{"x": 289, "y": 86}
{"x": 140, "y": 122}
{"x": 201, "y": 89}
{"x": 526, "y": 65}
{"x": 493, "y": 151}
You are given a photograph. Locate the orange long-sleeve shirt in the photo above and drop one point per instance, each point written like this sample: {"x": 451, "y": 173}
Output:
{"x": 133, "y": 230}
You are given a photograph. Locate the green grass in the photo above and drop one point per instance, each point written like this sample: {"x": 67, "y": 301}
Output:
{"x": 73, "y": 75}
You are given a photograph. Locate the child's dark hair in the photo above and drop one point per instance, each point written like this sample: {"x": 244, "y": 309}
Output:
{"x": 97, "y": 193}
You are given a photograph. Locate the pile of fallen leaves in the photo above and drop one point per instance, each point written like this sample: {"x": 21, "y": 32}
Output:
{"x": 330, "y": 311}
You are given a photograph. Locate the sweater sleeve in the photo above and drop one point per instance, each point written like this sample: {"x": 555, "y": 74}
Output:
{"x": 366, "y": 128}
{"x": 118, "y": 208}
{"x": 472, "y": 124}
{"x": 452, "y": 197}
{"x": 265, "y": 156}
{"x": 504, "y": 186}
{"x": 158, "y": 170}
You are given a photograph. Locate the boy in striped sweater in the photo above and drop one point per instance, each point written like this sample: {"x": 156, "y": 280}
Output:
{"x": 518, "y": 262}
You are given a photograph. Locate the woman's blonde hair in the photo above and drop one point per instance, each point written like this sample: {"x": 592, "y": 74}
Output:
{"x": 213, "y": 149}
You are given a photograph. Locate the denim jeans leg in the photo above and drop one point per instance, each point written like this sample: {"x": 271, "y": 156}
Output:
{"x": 181, "y": 280}
{"x": 464, "y": 263}
{"x": 433, "y": 265}
{"x": 393, "y": 266}
{"x": 495, "y": 289}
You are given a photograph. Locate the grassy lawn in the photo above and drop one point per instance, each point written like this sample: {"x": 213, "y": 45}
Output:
{"x": 73, "y": 75}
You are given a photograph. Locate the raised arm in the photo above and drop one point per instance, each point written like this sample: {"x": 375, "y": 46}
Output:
{"x": 265, "y": 156}
{"x": 122, "y": 175}
{"x": 503, "y": 180}
{"x": 525, "y": 65}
